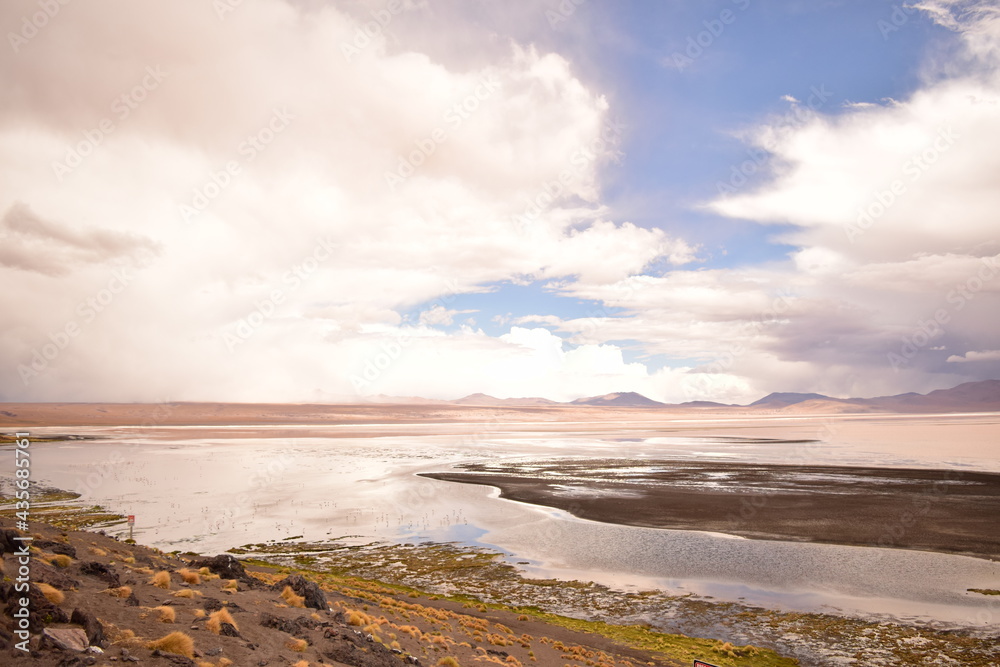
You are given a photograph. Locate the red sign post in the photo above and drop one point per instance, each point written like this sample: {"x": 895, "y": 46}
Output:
{"x": 131, "y": 522}
{"x": 699, "y": 663}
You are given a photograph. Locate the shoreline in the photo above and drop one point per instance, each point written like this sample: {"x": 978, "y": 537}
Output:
{"x": 942, "y": 511}
{"x": 411, "y": 583}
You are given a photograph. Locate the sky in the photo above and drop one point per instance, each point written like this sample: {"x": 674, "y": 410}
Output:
{"x": 309, "y": 200}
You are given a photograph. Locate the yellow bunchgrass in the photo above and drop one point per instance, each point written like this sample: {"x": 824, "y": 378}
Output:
{"x": 120, "y": 592}
{"x": 189, "y": 577}
{"x": 60, "y": 560}
{"x": 297, "y": 645}
{"x": 217, "y": 618}
{"x": 166, "y": 614}
{"x": 161, "y": 580}
{"x": 292, "y": 599}
{"x": 51, "y": 593}
{"x": 175, "y": 642}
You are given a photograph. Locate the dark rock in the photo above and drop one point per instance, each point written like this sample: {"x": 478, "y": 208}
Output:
{"x": 227, "y": 567}
{"x": 8, "y": 544}
{"x": 101, "y": 571}
{"x": 55, "y": 547}
{"x": 211, "y": 604}
{"x": 347, "y": 648}
{"x": 90, "y": 625}
{"x": 132, "y": 601}
{"x": 298, "y": 627}
{"x": 214, "y": 651}
{"x": 502, "y": 654}
{"x": 313, "y": 594}
{"x": 228, "y": 630}
{"x": 41, "y": 612}
{"x": 64, "y": 639}
{"x": 174, "y": 658}
{"x": 46, "y": 574}
{"x": 276, "y": 622}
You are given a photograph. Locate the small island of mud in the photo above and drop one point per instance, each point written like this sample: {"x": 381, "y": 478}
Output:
{"x": 949, "y": 511}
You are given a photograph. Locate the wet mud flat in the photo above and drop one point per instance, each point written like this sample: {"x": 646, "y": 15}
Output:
{"x": 948, "y": 511}
{"x": 485, "y": 576}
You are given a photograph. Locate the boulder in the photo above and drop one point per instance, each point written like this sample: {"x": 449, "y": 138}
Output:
{"x": 41, "y": 612}
{"x": 90, "y": 624}
{"x": 8, "y": 544}
{"x": 348, "y": 649}
{"x": 101, "y": 571}
{"x": 313, "y": 594}
{"x": 47, "y": 574}
{"x": 64, "y": 639}
{"x": 55, "y": 547}
{"x": 228, "y": 630}
{"x": 227, "y": 567}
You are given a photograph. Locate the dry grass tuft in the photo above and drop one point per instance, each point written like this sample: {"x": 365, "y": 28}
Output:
{"x": 184, "y": 593}
{"x": 198, "y": 613}
{"x": 161, "y": 580}
{"x": 97, "y": 551}
{"x": 447, "y": 661}
{"x": 166, "y": 614}
{"x": 52, "y": 594}
{"x": 292, "y": 599}
{"x": 217, "y": 618}
{"x": 189, "y": 577}
{"x": 301, "y": 663}
{"x": 60, "y": 560}
{"x": 297, "y": 645}
{"x": 231, "y": 585}
{"x": 175, "y": 642}
{"x": 120, "y": 592}
{"x": 120, "y": 637}
{"x": 223, "y": 662}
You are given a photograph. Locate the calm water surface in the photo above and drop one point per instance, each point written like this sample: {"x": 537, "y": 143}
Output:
{"x": 208, "y": 494}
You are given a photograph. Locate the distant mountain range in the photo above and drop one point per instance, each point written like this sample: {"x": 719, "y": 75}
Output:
{"x": 969, "y": 397}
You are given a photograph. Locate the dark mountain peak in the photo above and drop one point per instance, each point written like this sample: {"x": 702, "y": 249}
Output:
{"x": 782, "y": 398}
{"x": 628, "y": 399}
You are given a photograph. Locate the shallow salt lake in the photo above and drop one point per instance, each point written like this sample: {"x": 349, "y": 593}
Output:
{"x": 208, "y": 490}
